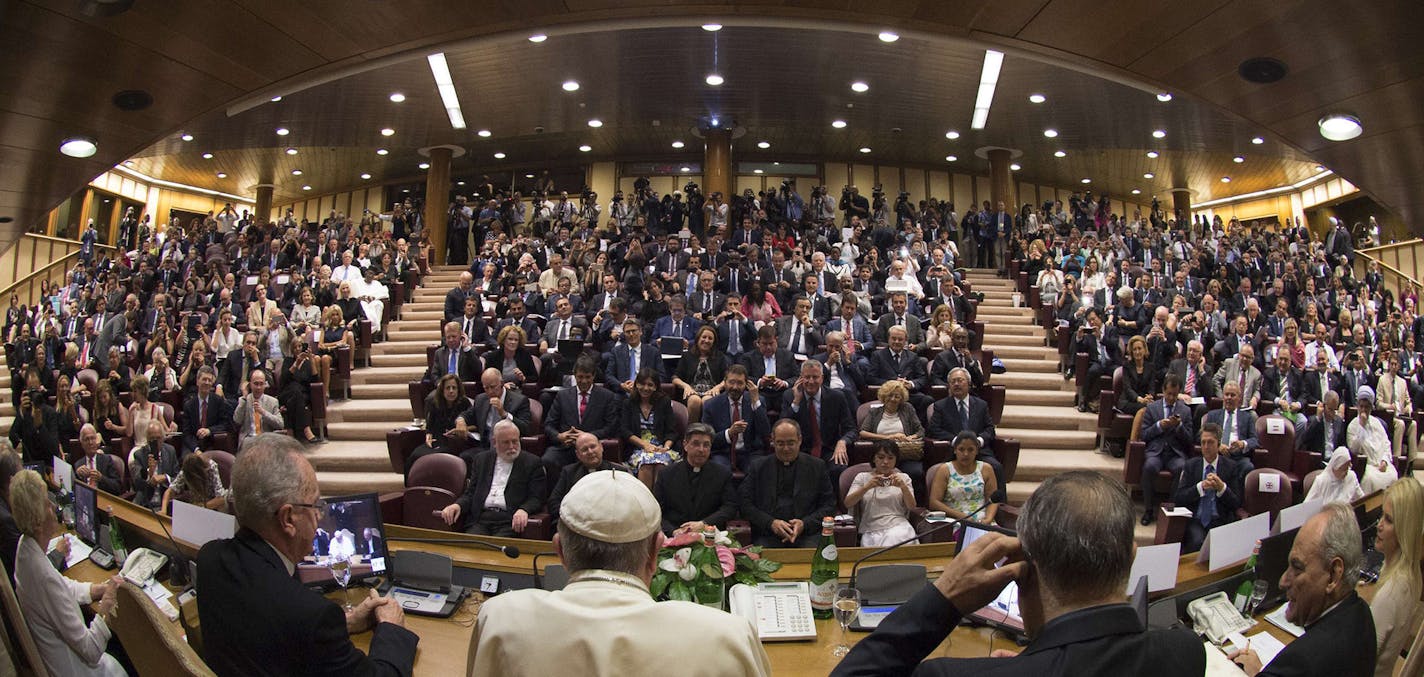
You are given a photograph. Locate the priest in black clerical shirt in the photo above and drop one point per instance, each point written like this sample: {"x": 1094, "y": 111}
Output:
{"x": 694, "y": 493}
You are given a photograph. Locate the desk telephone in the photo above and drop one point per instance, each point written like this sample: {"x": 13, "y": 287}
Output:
{"x": 141, "y": 565}
{"x": 780, "y": 611}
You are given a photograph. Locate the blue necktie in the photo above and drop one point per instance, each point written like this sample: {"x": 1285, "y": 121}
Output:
{"x": 1206, "y": 509}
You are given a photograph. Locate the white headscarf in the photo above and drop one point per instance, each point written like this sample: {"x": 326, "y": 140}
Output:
{"x": 1328, "y": 489}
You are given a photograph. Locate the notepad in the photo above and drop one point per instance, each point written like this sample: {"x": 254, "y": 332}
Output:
{"x": 78, "y": 550}
{"x": 1265, "y": 646}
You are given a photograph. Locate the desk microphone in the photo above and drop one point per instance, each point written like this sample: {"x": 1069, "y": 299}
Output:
{"x": 509, "y": 551}
{"x": 937, "y": 528}
{"x": 178, "y": 574}
{"x": 539, "y": 578}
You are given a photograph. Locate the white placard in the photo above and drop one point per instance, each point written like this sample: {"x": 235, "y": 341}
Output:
{"x": 64, "y": 475}
{"x": 1158, "y": 563}
{"x": 1275, "y": 425}
{"x": 1232, "y": 543}
{"x": 1270, "y": 483}
{"x": 284, "y": 278}
{"x": 196, "y": 525}
{"x": 1296, "y": 515}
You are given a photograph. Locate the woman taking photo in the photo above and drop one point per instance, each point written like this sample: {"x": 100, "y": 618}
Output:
{"x": 700, "y": 371}
{"x": 1396, "y": 598}
{"x": 442, "y": 407}
{"x": 111, "y": 419}
{"x": 881, "y": 499}
{"x": 896, "y": 422}
{"x": 198, "y": 483}
{"x": 298, "y": 373}
{"x": 142, "y": 410}
{"x": 511, "y": 358}
{"x": 50, "y": 601}
{"x": 71, "y": 416}
{"x": 965, "y": 483}
{"x": 940, "y": 334}
{"x": 650, "y": 427}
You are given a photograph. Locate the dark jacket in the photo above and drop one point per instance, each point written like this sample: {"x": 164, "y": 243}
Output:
{"x": 836, "y": 421}
{"x": 946, "y": 422}
{"x": 515, "y": 404}
{"x": 600, "y": 418}
{"x": 527, "y": 487}
{"x": 258, "y": 620}
{"x": 569, "y": 476}
{"x": 712, "y": 500}
{"x": 1339, "y": 643}
{"x": 813, "y": 497}
{"x": 467, "y": 365}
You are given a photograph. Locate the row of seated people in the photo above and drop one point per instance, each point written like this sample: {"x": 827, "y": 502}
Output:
{"x": 508, "y": 491}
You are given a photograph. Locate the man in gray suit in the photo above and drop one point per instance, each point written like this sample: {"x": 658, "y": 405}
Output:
{"x": 563, "y": 325}
{"x": 1167, "y": 430}
{"x": 256, "y": 412}
{"x": 1238, "y": 427}
{"x": 1241, "y": 371}
{"x": 899, "y": 316}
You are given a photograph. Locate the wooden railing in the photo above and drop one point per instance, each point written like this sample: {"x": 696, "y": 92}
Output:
{"x": 53, "y": 263}
{"x": 1400, "y": 262}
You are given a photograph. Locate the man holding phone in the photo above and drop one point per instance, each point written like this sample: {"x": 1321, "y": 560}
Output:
{"x": 1167, "y": 430}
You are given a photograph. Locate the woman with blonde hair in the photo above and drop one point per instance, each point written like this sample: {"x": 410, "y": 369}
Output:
{"x": 1396, "y": 599}
{"x": 940, "y": 333}
{"x": 895, "y": 421}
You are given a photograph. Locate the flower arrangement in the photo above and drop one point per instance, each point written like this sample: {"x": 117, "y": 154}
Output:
{"x": 691, "y": 571}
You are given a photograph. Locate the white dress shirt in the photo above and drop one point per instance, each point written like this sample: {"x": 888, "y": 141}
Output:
{"x": 495, "y": 499}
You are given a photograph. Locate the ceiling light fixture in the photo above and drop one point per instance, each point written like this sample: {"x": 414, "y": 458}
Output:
{"x": 1257, "y": 140}
{"x": 1159, "y": 133}
{"x": 1340, "y": 127}
{"x": 1037, "y": 98}
{"x": 571, "y": 85}
{"x": 499, "y": 156}
{"x": 888, "y": 36}
{"x": 1238, "y": 159}
{"x": 1014, "y": 167}
{"x": 1164, "y": 97}
{"x": 1087, "y": 180}
{"x": 758, "y": 171}
{"x": 459, "y": 183}
{"x": 1051, "y": 133}
{"x": 528, "y": 176}
{"x": 424, "y": 165}
{"x": 387, "y": 131}
{"x": 595, "y": 123}
{"x": 381, "y": 151}
{"x": 838, "y": 124}
{"x": 711, "y": 28}
{"x": 684, "y": 170}
{"x": 483, "y": 133}
{"x": 275, "y": 99}
{"x": 186, "y": 137}
{"x": 538, "y": 37}
{"x": 1136, "y": 191}
{"x": 585, "y": 148}
{"x": 296, "y": 172}
{"x": 1152, "y": 154}
{"x": 951, "y": 135}
{"x": 715, "y": 80}
{"x": 951, "y": 158}
{"x": 397, "y": 97}
{"x": 988, "y": 80}
{"x": 222, "y": 175}
{"x": 763, "y": 145}
{"x": 207, "y": 156}
{"x": 1149, "y": 175}
{"x": 440, "y": 69}
{"x": 283, "y": 131}
{"x": 1059, "y": 153}
{"x": 1226, "y": 179}
{"x": 306, "y": 187}
{"x": 365, "y": 177}
{"x": 79, "y": 146}
{"x": 291, "y": 151}
{"x": 865, "y": 149}
{"x": 859, "y": 86}
{"x": 678, "y": 144}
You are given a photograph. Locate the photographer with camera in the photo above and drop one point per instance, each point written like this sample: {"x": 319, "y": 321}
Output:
{"x": 715, "y": 212}
{"x": 36, "y": 428}
{"x": 457, "y": 237}
{"x": 853, "y": 205}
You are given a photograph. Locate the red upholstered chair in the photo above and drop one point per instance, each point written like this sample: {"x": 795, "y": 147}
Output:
{"x": 224, "y": 461}
{"x": 1276, "y": 450}
{"x": 1255, "y": 502}
{"x": 420, "y": 505}
{"x": 341, "y": 371}
{"x": 1113, "y": 424}
{"x": 89, "y": 379}
{"x": 541, "y": 525}
{"x": 224, "y": 442}
{"x": 418, "y": 391}
{"x": 316, "y": 398}
{"x": 363, "y": 341}
{"x": 125, "y": 482}
{"x": 441, "y": 471}
{"x": 1308, "y": 481}
{"x": 534, "y": 442}
{"x": 397, "y": 300}
{"x": 401, "y": 443}
{"x": 679, "y": 415}
{"x": 917, "y": 514}
{"x": 995, "y": 397}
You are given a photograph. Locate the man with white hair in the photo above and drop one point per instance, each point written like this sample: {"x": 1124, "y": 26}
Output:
{"x": 258, "y": 618}
{"x": 605, "y": 620}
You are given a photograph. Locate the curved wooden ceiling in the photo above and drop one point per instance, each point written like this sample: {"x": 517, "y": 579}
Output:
{"x": 788, "y": 67}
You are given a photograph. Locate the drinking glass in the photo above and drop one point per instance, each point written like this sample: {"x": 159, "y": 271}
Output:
{"x": 1258, "y": 595}
{"x": 847, "y": 606}
{"x": 341, "y": 571}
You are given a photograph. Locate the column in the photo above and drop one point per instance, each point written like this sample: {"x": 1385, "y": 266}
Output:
{"x": 262, "y": 209}
{"x": 717, "y": 163}
{"x": 437, "y": 199}
{"x": 1001, "y": 179}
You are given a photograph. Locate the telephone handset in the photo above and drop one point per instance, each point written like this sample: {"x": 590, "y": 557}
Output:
{"x": 780, "y": 611}
{"x": 141, "y": 566}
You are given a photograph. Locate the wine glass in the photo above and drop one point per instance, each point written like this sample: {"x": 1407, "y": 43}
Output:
{"x": 1258, "y": 595}
{"x": 341, "y": 570}
{"x": 847, "y": 606}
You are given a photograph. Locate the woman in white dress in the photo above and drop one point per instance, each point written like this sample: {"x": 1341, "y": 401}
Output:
{"x": 1366, "y": 437}
{"x": 1337, "y": 483}
{"x": 1396, "y": 599}
{"x": 50, "y": 601}
{"x": 881, "y": 499}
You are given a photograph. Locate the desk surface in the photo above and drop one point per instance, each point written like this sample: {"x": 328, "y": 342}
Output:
{"x": 444, "y": 643}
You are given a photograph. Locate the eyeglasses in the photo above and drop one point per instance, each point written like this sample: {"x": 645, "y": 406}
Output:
{"x": 320, "y": 506}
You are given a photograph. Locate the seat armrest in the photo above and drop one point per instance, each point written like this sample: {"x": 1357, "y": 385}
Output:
{"x": 847, "y": 536}
{"x": 1007, "y": 451}
{"x": 1080, "y": 368}
{"x": 1132, "y": 464}
{"x": 1007, "y": 516}
{"x": 401, "y": 443}
{"x": 391, "y": 507}
{"x": 540, "y": 527}
{"x": 1170, "y": 528}
{"x": 1107, "y": 408}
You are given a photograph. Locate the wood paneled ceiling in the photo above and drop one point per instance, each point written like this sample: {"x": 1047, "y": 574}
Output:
{"x": 640, "y": 64}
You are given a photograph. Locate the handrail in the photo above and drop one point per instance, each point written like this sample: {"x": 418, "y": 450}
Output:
{"x": 1392, "y": 245}
{"x": 1392, "y": 270}
{"x": 65, "y": 240}
{"x": 28, "y": 279}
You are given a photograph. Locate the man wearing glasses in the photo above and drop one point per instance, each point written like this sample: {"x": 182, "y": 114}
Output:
{"x": 258, "y": 617}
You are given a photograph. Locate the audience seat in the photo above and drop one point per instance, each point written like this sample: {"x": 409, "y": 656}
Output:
{"x": 401, "y": 443}
{"x": 1112, "y": 422}
{"x": 150, "y": 640}
{"x": 224, "y": 461}
{"x": 1308, "y": 482}
{"x": 541, "y": 525}
{"x": 1255, "y": 501}
{"x": 420, "y": 505}
{"x": 534, "y": 442}
{"x": 1276, "y": 450}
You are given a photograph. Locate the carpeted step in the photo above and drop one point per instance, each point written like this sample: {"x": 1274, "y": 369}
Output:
{"x": 1047, "y": 418}
{"x": 1036, "y": 464}
{"x": 372, "y": 375}
{"x": 395, "y": 411}
{"x": 379, "y": 391}
{"x": 402, "y": 348}
{"x": 413, "y": 315}
{"x": 363, "y": 431}
{"x": 1026, "y": 353}
{"x": 1041, "y": 365}
{"x": 1048, "y": 398}
{"x": 1048, "y": 439}
{"x": 995, "y": 340}
{"x": 987, "y": 314}
{"x": 410, "y": 359}
{"x": 347, "y": 483}
{"x": 1030, "y": 380}
{"x": 992, "y": 329}
{"x": 348, "y": 457}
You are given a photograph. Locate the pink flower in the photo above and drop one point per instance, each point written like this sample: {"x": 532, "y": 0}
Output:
{"x": 748, "y": 553}
{"x": 728, "y": 560}
{"x": 682, "y": 539}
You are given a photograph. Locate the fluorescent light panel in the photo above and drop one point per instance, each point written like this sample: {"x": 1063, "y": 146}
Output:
{"x": 443, "y": 82}
{"x": 988, "y": 80}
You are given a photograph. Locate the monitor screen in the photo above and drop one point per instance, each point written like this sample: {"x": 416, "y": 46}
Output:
{"x": 85, "y": 508}
{"x": 352, "y": 529}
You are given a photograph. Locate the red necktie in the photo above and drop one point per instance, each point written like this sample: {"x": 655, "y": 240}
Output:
{"x": 815, "y": 429}
{"x": 583, "y": 405}
{"x": 736, "y": 416}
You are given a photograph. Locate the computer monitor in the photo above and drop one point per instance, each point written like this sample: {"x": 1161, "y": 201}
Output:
{"x": 1272, "y": 562}
{"x": 86, "y": 508}
{"x": 352, "y": 528}
{"x": 1003, "y": 612}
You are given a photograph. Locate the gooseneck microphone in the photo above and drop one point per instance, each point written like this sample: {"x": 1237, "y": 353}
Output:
{"x": 538, "y": 577}
{"x": 178, "y": 573}
{"x": 509, "y": 551}
{"x": 935, "y": 529}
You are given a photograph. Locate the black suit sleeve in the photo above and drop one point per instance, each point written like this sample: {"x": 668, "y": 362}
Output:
{"x": 332, "y": 653}
{"x": 904, "y": 638}
{"x": 759, "y": 518}
{"x": 537, "y": 486}
{"x": 728, "y": 507}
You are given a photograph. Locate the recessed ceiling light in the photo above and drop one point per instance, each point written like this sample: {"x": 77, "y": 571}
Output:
{"x": 296, "y": 172}
{"x": 222, "y": 175}
{"x": 1152, "y": 154}
{"x": 859, "y": 86}
{"x": 381, "y": 151}
{"x": 571, "y": 85}
{"x": 887, "y": 36}
{"x": 678, "y": 144}
{"x": 1059, "y": 153}
{"x": 365, "y": 177}
{"x": 275, "y": 99}
{"x": 684, "y": 170}
{"x": 291, "y": 151}
{"x": 1238, "y": 159}
{"x": 306, "y": 187}
{"x": 865, "y": 149}
{"x": 538, "y": 37}
{"x": 1087, "y": 180}
{"x": 1136, "y": 191}
{"x": 758, "y": 171}
{"x": 207, "y": 156}
{"x": 1257, "y": 140}
{"x": 186, "y": 137}
{"x": 585, "y": 148}
{"x": 424, "y": 165}
{"x": 406, "y": 190}
{"x": 763, "y": 144}
{"x": 1050, "y": 133}
{"x": 283, "y": 131}
{"x": 711, "y": 28}
{"x": 951, "y": 135}
{"x": 838, "y": 124}
{"x": 1149, "y": 175}
{"x": 459, "y": 183}
{"x": 499, "y": 156}
{"x": 1159, "y": 133}
{"x": 528, "y": 176}
{"x": 388, "y": 132}
{"x": 1340, "y": 127}
{"x": 714, "y": 79}
{"x": 1319, "y": 168}
{"x": 79, "y": 146}
{"x": 951, "y": 158}
{"x": 397, "y": 97}
{"x": 483, "y": 133}
{"x": 595, "y": 123}
{"x": 1037, "y": 98}
{"x": 1226, "y": 179}
{"x": 1164, "y": 97}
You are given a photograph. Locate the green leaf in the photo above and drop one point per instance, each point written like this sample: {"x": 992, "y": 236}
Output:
{"x": 711, "y": 571}
{"x": 767, "y": 566}
{"x": 679, "y": 591}
{"x": 709, "y": 590}
{"x": 659, "y": 586}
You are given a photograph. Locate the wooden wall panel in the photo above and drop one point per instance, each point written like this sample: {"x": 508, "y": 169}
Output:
{"x": 963, "y": 192}
{"x": 941, "y": 186}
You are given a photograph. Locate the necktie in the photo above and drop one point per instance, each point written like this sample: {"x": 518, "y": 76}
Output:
{"x": 677, "y": 329}
{"x": 899, "y": 320}
{"x": 203, "y": 412}
{"x": 453, "y": 360}
{"x": 1206, "y": 509}
{"x": 736, "y": 416}
{"x": 963, "y": 414}
{"x": 256, "y": 418}
{"x": 796, "y": 339}
{"x": 563, "y": 329}
{"x": 1230, "y": 427}
{"x": 632, "y": 363}
{"x": 815, "y": 429}
{"x": 734, "y": 338}
{"x": 1191, "y": 379}
{"x": 583, "y": 405}
{"x": 706, "y": 302}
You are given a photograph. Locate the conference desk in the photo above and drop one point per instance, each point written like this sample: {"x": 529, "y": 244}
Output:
{"x": 444, "y": 643}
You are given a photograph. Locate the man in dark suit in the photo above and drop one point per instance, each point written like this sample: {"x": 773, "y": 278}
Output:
{"x": 590, "y": 460}
{"x": 797, "y": 332}
{"x": 455, "y": 298}
{"x": 1324, "y": 431}
{"x": 258, "y": 618}
{"x": 472, "y": 322}
{"x": 694, "y": 493}
{"x": 827, "y": 424}
{"x": 603, "y": 300}
{"x": 676, "y": 324}
{"x": 1167, "y": 430}
{"x": 94, "y": 468}
{"x": 735, "y": 333}
{"x": 895, "y": 363}
{"x": 1281, "y": 383}
{"x": 1320, "y": 381}
{"x": 786, "y": 494}
{"x": 1078, "y": 525}
{"x": 454, "y": 356}
{"x": 1211, "y": 486}
{"x": 565, "y": 324}
{"x": 738, "y": 417}
{"x": 852, "y": 324}
{"x": 961, "y": 411}
{"x": 770, "y": 368}
{"x": 586, "y": 407}
{"x": 1195, "y": 375}
{"x": 1104, "y": 355}
{"x": 957, "y": 357}
{"x": 899, "y": 316}
{"x": 514, "y": 314}
{"x": 705, "y": 302}
{"x": 1237, "y": 425}
{"x": 844, "y": 369}
{"x": 497, "y": 403}
{"x": 1339, "y": 634}
{"x": 823, "y": 306}
{"x": 204, "y": 414}
{"x": 235, "y": 371}
{"x": 628, "y": 357}
{"x": 507, "y": 485}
